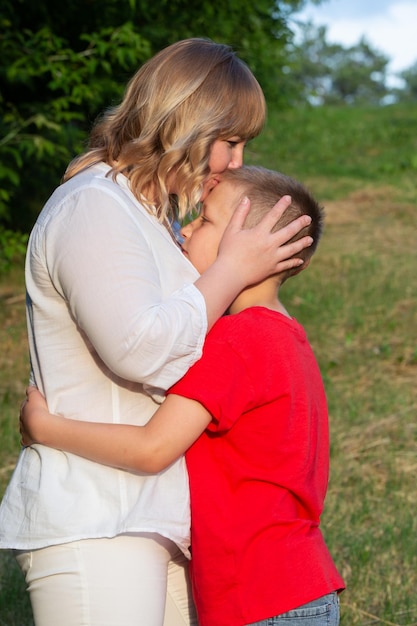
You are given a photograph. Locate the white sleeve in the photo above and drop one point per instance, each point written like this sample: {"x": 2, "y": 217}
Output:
{"x": 105, "y": 260}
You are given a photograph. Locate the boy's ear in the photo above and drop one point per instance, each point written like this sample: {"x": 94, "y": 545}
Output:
{"x": 301, "y": 268}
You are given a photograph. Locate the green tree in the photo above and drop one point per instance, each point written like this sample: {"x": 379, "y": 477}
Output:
{"x": 409, "y": 93}
{"x": 359, "y": 75}
{"x": 333, "y": 73}
{"x": 50, "y": 94}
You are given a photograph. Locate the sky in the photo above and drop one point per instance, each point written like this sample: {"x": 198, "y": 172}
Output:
{"x": 389, "y": 26}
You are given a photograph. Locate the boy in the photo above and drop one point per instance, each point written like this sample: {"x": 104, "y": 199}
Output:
{"x": 255, "y": 407}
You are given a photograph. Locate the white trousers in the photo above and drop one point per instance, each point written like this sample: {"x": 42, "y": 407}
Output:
{"x": 129, "y": 580}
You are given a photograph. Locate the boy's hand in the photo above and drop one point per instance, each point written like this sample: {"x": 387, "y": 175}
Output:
{"x": 32, "y": 412}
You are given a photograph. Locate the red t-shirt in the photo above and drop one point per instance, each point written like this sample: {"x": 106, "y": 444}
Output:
{"x": 259, "y": 473}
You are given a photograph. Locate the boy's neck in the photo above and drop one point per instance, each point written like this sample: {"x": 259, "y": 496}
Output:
{"x": 263, "y": 294}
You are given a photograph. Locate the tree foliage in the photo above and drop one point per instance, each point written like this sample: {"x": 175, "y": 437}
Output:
{"x": 50, "y": 94}
{"x": 409, "y": 93}
{"x": 334, "y": 74}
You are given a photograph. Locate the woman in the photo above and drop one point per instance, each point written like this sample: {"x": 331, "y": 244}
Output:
{"x": 116, "y": 315}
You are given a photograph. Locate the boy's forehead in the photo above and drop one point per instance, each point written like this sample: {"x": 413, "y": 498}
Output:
{"x": 223, "y": 194}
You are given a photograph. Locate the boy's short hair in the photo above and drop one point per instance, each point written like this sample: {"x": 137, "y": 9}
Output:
{"x": 264, "y": 188}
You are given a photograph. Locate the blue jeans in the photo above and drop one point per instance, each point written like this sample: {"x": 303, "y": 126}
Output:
{"x": 321, "y": 612}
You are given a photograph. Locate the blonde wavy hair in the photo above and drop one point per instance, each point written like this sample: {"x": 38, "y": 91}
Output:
{"x": 176, "y": 105}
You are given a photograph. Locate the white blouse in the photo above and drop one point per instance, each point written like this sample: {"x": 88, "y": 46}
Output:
{"x": 113, "y": 319}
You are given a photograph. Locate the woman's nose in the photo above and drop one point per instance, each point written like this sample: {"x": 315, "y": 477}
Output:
{"x": 186, "y": 230}
{"x": 237, "y": 160}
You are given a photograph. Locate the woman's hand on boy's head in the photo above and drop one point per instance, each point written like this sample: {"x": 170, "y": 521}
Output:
{"x": 259, "y": 252}
{"x": 32, "y": 412}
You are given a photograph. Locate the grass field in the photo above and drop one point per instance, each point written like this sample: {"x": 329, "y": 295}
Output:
{"x": 358, "y": 302}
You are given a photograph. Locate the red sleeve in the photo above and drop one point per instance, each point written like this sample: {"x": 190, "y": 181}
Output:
{"x": 221, "y": 380}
